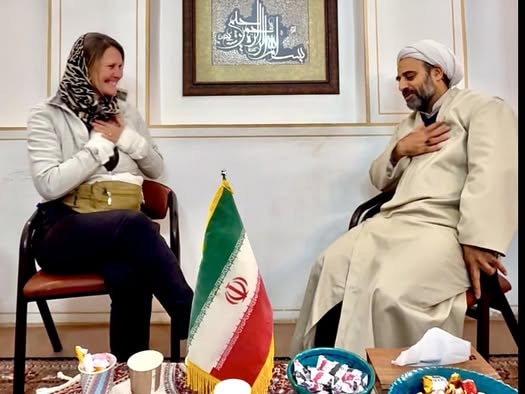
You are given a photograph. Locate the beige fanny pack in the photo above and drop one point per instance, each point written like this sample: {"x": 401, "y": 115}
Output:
{"x": 104, "y": 196}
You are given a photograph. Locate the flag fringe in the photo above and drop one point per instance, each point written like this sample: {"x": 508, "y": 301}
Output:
{"x": 202, "y": 382}
{"x": 264, "y": 379}
{"x": 198, "y": 379}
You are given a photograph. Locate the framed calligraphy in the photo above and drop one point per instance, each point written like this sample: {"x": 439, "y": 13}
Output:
{"x": 260, "y": 47}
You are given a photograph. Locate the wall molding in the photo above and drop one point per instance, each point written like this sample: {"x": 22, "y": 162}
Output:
{"x": 281, "y": 316}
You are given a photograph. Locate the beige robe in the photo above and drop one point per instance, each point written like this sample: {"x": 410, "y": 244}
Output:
{"x": 402, "y": 271}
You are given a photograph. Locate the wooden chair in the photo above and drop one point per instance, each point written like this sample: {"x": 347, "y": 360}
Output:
{"x": 493, "y": 287}
{"x": 36, "y": 285}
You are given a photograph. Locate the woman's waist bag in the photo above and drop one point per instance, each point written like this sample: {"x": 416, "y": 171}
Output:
{"x": 104, "y": 196}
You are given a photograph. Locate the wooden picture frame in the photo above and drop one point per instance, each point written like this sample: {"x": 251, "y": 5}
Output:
{"x": 238, "y": 47}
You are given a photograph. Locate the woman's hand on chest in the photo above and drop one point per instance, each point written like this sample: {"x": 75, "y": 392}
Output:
{"x": 111, "y": 129}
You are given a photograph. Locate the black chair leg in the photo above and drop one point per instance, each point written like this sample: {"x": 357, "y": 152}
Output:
{"x": 510, "y": 319}
{"x": 174, "y": 343}
{"x": 50, "y": 325}
{"x": 20, "y": 347}
{"x": 483, "y": 327}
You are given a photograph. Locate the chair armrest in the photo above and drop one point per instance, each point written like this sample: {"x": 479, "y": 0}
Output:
{"x": 369, "y": 208}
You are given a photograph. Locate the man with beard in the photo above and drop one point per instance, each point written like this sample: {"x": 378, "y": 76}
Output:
{"x": 452, "y": 165}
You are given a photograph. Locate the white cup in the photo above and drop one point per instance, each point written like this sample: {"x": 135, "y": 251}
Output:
{"x": 232, "y": 386}
{"x": 144, "y": 371}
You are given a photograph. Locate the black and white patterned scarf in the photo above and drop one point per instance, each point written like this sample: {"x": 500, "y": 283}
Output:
{"x": 77, "y": 92}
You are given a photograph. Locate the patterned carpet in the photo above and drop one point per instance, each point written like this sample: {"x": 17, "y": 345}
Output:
{"x": 43, "y": 373}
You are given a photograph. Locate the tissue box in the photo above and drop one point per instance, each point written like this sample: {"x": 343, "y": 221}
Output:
{"x": 386, "y": 372}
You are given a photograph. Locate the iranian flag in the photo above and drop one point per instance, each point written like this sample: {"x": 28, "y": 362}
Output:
{"x": 231, "y": 325}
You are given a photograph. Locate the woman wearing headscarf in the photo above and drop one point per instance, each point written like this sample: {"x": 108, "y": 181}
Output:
{"x": 452, "y": 167}
{"x": 89, "y": 151}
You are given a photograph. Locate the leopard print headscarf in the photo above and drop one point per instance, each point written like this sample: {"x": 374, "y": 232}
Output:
{"x": 77, "y": 92}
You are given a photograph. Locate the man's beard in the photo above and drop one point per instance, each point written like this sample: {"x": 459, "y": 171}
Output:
{"x": 422, "y": 96}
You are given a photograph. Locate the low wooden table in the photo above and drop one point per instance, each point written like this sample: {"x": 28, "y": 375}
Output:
{"x": 386, "y": 372}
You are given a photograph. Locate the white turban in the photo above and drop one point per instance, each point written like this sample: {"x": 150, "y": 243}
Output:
{"x": 436, "y": 54}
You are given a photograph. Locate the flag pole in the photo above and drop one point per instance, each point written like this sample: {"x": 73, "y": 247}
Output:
{"x": 223, "y": 174}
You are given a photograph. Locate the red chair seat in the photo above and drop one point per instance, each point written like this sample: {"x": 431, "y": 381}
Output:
{"x": 503, "y": 282}
{"x": 45, "y": 285}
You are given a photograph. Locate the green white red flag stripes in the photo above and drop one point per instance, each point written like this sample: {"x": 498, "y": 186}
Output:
{"x": 231, "y": 325}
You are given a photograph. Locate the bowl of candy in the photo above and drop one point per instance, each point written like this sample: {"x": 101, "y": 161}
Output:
{"x": 332, "y": 370}
{"x": 440, "y": 379}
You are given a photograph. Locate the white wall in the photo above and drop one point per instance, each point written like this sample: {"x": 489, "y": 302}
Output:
{"x": 298, "y": 164}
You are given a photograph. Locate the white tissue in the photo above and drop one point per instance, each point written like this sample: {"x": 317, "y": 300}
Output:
{"x": 436, "y": 347}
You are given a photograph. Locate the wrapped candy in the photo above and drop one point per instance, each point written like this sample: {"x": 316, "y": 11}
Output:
{"x": 330, "y": 377}
{"x": 469, "y": 387}
{"x": 434, "y": 384}
{"x": 91, "y": 362}
{"x": 454, "y": 385}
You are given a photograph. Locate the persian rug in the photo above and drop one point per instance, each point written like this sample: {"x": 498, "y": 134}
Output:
{"x": 43, "y": 373}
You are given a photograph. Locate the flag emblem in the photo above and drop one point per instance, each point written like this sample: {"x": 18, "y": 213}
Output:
{"x": 236, "y": 290}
